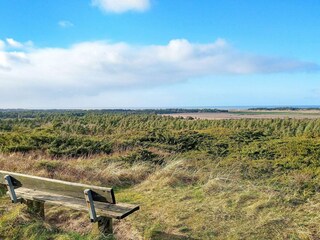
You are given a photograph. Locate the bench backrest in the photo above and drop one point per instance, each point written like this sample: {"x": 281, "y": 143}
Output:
{"x": 100, "y": 194}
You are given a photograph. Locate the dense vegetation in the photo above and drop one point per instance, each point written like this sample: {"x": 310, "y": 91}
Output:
{"x": 195, "y": 179}
{"x": 21, "y": 113}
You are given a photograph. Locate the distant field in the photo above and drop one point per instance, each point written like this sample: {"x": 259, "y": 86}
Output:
{"x": 305, "y": 114}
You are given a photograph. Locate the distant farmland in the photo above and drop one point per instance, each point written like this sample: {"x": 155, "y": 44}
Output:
{"x": 251, "y": 114}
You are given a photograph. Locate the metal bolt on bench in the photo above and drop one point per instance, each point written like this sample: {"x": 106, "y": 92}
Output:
{"x": 37, "y": 191}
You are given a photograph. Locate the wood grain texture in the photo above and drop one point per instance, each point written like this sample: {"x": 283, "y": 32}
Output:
{"x": 118, "y": 211}
{"x": 101, "y": 194}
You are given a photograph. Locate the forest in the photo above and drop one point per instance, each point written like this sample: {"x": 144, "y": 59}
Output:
{"x": 194, "y": 179}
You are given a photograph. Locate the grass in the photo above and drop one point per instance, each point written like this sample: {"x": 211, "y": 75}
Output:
{"x": 195, "y": 198}
{"x": 241, "y": 179}
{"x": 17, "y": 223}
{"x": 220, "y": 208}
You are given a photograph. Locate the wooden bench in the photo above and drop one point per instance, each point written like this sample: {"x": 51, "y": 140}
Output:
{"x": 34, "y": 191}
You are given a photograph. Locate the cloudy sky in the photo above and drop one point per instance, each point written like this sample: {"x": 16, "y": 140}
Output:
{"x": 158, "y": 53}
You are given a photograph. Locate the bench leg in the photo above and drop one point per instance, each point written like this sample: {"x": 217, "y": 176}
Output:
{"x": 36, "y": 207}
{"x": 103, "y": 226}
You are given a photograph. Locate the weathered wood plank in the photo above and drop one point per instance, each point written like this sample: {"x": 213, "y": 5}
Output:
{"x": 118, "y": 211}
{"x": 101, "y": 194}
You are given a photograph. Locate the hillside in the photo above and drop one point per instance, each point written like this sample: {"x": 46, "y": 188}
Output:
{"x": 194, "y": 179}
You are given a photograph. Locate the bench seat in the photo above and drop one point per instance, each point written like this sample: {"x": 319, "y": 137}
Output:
{"x": 118, "y": 211}
{"x": 36, "y": 192}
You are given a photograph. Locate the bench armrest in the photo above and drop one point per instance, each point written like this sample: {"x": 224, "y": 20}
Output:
{"x": 11, "y": 190}
{"x": 90, "y": 204}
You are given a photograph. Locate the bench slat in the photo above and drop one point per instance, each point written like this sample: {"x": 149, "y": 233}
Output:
{"x": 58, "y": 187}
{"x": 118, "y": 211}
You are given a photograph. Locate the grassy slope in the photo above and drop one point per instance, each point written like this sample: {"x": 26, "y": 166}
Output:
{"x": 186, "y": 199}
{"x": 263, "y": 187}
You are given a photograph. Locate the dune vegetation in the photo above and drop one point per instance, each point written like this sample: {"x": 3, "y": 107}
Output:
{"x": 194, "y": 179}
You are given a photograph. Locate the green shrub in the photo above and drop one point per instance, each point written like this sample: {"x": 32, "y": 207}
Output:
{"x": 143, "y": 155}
{"x": 75, "y": 147}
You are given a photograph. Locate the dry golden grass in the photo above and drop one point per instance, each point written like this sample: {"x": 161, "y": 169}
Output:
{"x": 197, "y": 198}
{"x": 245, "y": 114}
{"x": 185, "y": 201}
{"x": 95, "y": 170}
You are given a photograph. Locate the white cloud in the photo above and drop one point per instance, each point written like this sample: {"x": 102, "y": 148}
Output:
{"x": 13, "y": 43}
{"x": 65, "y": 24}
{"x": 120, "y": 6}
{"x": 93, "y": 68}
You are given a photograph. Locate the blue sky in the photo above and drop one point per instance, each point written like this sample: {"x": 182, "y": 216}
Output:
{"x": 158, "y": 53}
